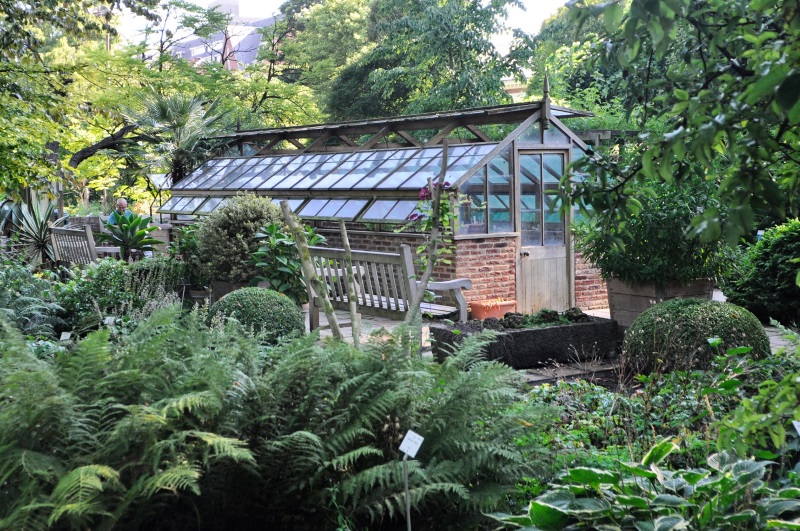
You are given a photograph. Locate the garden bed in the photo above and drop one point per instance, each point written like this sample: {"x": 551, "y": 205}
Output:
{"x": 526, "y": 348}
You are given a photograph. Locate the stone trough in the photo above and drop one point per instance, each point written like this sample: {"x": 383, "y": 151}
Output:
{"x": 528, "y": 348}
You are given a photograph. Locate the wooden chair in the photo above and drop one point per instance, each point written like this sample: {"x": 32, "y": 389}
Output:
{"x": 73, "y": 246}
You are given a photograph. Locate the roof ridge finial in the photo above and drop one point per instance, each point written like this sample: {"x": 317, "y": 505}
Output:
{"x": 546, "y": 87}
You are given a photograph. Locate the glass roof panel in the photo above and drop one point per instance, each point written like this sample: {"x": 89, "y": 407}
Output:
{"x": 303, "y": 171}
{"x": 351, "y": 208}
{"x": 278, "y": 174}
{"x": 355, "y": 175}
{"x": 402, "y": 210}
{"x": 293, "y": 203}
{"x": 379, "y": 209}
{"x": 312, "y": 207}
{"x": 211, "y": 205}
{"x": 411, "y": 166}
{"x": 200, "y": 174}
{"x": 248, "y": 173}
{"x": 351, "y": 161}
{"x": 330, "y": 209}
{"x": 181, "y": 205}
{"x": 276, "y": 164}
{"x": 385, "y": 168}
{"x": 170, "y": 202}
{"x": 434, "y": 167}
{"x": 231, "y": 175}
{"x": 222, "y": 173}
{"x": 390, "y": 210}
{"x": 321, "y": 171}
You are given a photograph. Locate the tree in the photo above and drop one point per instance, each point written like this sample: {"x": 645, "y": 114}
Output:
{"x": 438, "y": 55}
{"x": 731, "y": 98}
{"x": 178, "y": 128}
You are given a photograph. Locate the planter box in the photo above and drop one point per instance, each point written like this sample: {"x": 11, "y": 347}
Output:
{"x": 626, "y": 301}
{"x": 536, "y": 347}
{"x": 220, "y": 288}
{"x": 494, "y": 308}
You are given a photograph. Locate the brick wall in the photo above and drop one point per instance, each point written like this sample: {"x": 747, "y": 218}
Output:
{"x": 491, "y": 265}
{"x": 590, "y": 290}
{"x": 489, "y": 262}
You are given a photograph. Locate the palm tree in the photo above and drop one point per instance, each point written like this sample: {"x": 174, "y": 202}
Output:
{"x": 179, "y": 127}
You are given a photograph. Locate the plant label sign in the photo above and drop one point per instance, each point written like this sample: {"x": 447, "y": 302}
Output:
{"x": 796, "y": 425}
{"x": 411, "y": 443}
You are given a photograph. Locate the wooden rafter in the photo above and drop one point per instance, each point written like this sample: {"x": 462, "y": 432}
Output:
{"x": 480, "y": 135}
{"x": 441, "y": 135}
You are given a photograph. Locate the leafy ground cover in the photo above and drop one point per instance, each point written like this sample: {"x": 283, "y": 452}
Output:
{"x": 157, "y": 418}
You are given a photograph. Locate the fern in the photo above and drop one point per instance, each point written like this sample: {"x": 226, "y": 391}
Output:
{"x": 76, "y": 496}
{"x": 175, "y": 479}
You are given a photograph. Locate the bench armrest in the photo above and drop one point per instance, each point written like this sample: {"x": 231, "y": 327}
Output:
{"x": 454, "y": 286}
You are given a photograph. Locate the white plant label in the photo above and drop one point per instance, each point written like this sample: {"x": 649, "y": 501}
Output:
{"x": 65, "y": 336}
{"x": 411, "y": 443}
{"x": 796, "y": 425}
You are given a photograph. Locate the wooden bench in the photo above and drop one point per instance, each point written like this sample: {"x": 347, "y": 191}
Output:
{"x": 76, "y": 246}
{"x": 385, "y": 284}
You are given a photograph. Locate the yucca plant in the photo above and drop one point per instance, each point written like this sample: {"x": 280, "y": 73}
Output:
{"x": 29, "y": 221}
{"x": 131, "y": 233}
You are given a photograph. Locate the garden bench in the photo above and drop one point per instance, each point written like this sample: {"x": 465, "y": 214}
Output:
{"x": 76, "y": 246}
{"x": 385, "y": 284}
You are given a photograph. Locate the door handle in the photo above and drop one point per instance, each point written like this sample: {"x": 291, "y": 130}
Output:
{"x": 524, "y": 253}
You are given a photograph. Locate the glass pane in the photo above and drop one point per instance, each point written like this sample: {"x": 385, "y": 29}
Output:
{"x": 330, "y": 210}
{"x": 379, "y": 174}
{"x": 170, "y": 203}
{"x": 554, "y": 135}
{"x": 281, "y": 176}
{"x": 352, "y": 160}
{"x": 434, "y": 167}
{"x": 533, "y": 134}
{"x": 274, "y": 164}
{"x": 211, "y": 205}
{"x": 553, "y": 222}
{"x": 472, "y": 207}
{"x": 351, "y": 208}
{"x": 417, "y": 161}
{"x": 232, "y": 176}
{"x": 312, "y": 207}
{"x": 192, "y": 204}
{"x": 293, "y": 203}
{"x": 214, "y": 180}
{"x": 200, "y": 175}
{"x": 357, "y": 174}
{"x": 530, "y": 196}
{"x": 311, "y": 179}
{"x": 402, "y": 210}
{"x": 303, "y": 171}
{"x": 462, "y": 165}
{"x": 578, "y": 154}
{"x": 499, "y": 204}
{"x": 379, "y": 209}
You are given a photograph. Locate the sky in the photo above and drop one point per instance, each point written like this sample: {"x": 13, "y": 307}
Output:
{"x": 530, "y": 20}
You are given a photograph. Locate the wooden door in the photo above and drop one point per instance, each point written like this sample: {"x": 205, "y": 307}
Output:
{"x": 543, "y": 273}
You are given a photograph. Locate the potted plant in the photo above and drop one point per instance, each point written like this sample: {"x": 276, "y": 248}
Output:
{"x": 496, "y": 308}
{"x": 651, "y": 257}
{"x": 130, "y": 233}
{"x": 226, "y": 241}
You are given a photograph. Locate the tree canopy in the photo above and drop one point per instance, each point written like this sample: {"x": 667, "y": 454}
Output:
{"x": 723, "y": 76}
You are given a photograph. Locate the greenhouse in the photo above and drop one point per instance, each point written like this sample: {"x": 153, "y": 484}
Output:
{"x": 500, "y": 163}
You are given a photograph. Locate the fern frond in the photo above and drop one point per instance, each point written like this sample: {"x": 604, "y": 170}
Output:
{"x": 224, "y": 447}
{"x": 76, "y": 494}
{"x": 85, "y": 364}
{"x": 190, "y": 403}
{"x": 174, "y": 479}
{"x": 346, "y": 462}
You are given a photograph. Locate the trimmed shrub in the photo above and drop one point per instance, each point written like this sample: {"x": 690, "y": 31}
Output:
{"x": 673, "y": 336}
{"x": 768, "y": 286}
{"x": 226, "y": 239}
{"x": 267, "y": 312}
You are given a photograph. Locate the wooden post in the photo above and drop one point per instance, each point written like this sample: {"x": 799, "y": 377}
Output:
{"x": 350, "y": 283}
{"x": 309, "y": 271}
{"x": 433, "y": 240}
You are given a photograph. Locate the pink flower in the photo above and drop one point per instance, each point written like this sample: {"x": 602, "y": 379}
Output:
{"x": 424, "y": 193}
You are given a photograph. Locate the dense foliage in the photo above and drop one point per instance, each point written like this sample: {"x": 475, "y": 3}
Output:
{"x": 652, "y": 246}
{"x": 26, "y": 300}
{"x": 177, "y": 425}
{"x": 269, "y": 314}
{"x": 722, "y": 74}
{"x": 227, "y": 238}
{"x": 675, "y": 335}
{"x": 112, "y": 288}
{"x": 768, "y": 285}
{"x": 279, "y": 263}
